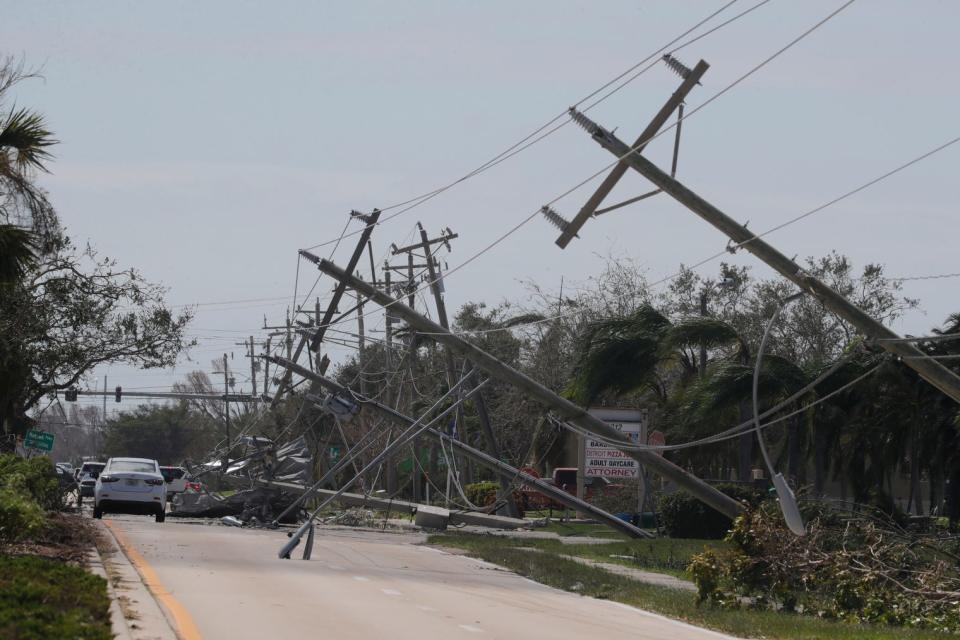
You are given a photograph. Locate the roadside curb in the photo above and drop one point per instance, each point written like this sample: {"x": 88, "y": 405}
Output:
{"x": 118, "y": 623}
{"x": 134, "y": 611}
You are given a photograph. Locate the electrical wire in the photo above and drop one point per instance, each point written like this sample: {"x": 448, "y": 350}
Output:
{"x": 729, "y": 434}
{"x": 607, "y": 167}
{"x": 535, "y": 136}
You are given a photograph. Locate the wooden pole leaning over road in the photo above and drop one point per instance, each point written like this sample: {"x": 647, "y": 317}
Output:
{"x": 930, "y": 370}
{"x": 565, "y": 409}
{"x": 504, "y": 470}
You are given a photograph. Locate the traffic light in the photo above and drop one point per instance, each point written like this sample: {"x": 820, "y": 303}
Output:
{"x": 118, "y": 392}
{"x": 70, "y": 395}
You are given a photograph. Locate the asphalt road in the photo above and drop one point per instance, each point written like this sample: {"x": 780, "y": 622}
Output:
{"x": 228, "y": 583}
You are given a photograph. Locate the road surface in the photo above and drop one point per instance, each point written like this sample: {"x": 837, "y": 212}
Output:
{"x": 227, "y": 583}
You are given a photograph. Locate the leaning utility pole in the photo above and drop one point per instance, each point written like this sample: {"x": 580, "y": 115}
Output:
{"x": 371, "y": 222}
{"x": 930, "y": 370}
{"x": 567, "y": 410}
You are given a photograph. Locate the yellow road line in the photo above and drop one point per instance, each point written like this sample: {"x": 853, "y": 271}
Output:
{"x": 186, "y": 628}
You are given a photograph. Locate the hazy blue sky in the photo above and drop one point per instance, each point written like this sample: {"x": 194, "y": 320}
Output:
{"x": 205, "y": 142}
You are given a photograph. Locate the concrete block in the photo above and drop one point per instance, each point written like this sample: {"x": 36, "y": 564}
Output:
{"x": 430, "y": 517}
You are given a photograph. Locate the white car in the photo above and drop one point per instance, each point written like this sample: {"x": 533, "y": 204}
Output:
{"x": 131, "y": 485}
{"x": 176, "y": 478}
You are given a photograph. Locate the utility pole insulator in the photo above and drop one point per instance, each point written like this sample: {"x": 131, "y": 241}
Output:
{"x": 678, "y": 67}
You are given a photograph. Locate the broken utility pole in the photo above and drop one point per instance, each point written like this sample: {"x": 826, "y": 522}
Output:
{"x": 564, "y": 408}
{"x": 503, "y": 470}
{"x": 930, "y": 370}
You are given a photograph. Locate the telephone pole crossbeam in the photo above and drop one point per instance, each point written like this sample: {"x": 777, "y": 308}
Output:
{"x": 590, "y": 208}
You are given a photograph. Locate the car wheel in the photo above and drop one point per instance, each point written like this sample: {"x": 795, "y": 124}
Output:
{"x": 161, "y": 516}
{"x": 97, "y": 513}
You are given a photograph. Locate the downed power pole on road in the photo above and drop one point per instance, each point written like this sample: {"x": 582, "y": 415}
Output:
{"x": 564, "y": 408}
{"x": 503, "y": 469}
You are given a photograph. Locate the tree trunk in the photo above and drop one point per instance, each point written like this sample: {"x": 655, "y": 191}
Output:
{"x": 953, "y": 497}
{"x": 745, "y": 445}
{"x": 915, "y": 500}
{"x": 793, "y": 450}
{"x": 819, "y": 460}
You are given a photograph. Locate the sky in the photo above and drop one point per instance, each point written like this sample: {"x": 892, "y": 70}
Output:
{"x": 205, "y": 143}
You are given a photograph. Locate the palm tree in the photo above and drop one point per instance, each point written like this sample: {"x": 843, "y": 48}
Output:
{"x": 27, "y": 220}
{"x": 646, "y": 353}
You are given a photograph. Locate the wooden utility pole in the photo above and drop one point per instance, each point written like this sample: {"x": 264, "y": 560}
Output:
{"x": 565, "y": 409}
{"x": 226, "y": 412}
{"x": 390, "y": 462}
{"x": 436, "y": 287}
{"x": 930, "y": 370}
{"x": 266, "y": 369}
{"x": 691, "y": 80}
{"x": 371, "y": 222}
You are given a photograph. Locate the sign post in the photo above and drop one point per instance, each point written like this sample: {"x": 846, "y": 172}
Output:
{"x": 39, "y": 440}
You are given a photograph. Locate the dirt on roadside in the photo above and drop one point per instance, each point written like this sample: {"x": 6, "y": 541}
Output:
{"x": 66, "y": 537}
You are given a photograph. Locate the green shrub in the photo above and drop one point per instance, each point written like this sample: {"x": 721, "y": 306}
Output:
{"x": 42, "y": 598}
{"x": 482, "y": 494}
{"x": 683, "y": 516}
{"x": 20, "y": 517}
{"x": 35, "y": 477}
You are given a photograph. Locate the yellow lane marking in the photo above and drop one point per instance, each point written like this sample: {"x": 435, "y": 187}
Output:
{"x": 186, "y": 628}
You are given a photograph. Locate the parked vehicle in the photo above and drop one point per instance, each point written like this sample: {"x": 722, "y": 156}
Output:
{"x": 176, "y": 479}
{"x": 87, "y": 478}
{"x": 131, "y": 485}
{"x": 565, "y": 478}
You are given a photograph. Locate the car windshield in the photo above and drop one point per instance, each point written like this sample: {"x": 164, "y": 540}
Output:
{"x": 140, "y": 466}
{"x": 171, "y": 473}
{"x": 93, "y": 469}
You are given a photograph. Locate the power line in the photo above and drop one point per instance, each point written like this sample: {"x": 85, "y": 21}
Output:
{"x": 690, "y": 114}
{"x": 534, "y": 137}
{"x": 934, "y": 277}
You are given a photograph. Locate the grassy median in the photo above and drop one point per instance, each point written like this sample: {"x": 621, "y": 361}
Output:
{"x": 546, "y": 565}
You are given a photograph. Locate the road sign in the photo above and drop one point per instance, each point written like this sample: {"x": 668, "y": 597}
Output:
{"x": 40, "y": 440}
{"x": 602, "y": 460}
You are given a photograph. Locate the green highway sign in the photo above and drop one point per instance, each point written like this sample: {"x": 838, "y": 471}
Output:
{"x": 40, "y": 440}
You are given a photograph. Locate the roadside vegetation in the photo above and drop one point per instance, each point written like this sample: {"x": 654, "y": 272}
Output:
{"x": 550, "y": 568}
{"x": 45, "y": 591}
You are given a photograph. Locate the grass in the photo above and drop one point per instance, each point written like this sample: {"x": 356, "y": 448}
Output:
{"x": 548, "y": 568}
{"x": 583, "y": 529}
{"x": 662, "y": 555}
{"x": 42, "y": 598}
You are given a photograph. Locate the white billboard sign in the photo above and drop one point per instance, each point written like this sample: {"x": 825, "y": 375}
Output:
{"x": 604, "y": 460}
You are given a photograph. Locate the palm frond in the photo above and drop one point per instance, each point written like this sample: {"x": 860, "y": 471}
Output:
{"x": 618, "y": 355}
{"x": 700, "y": 331}
{"x": 16, "y": 253}
{"x": 25, "y": 134}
